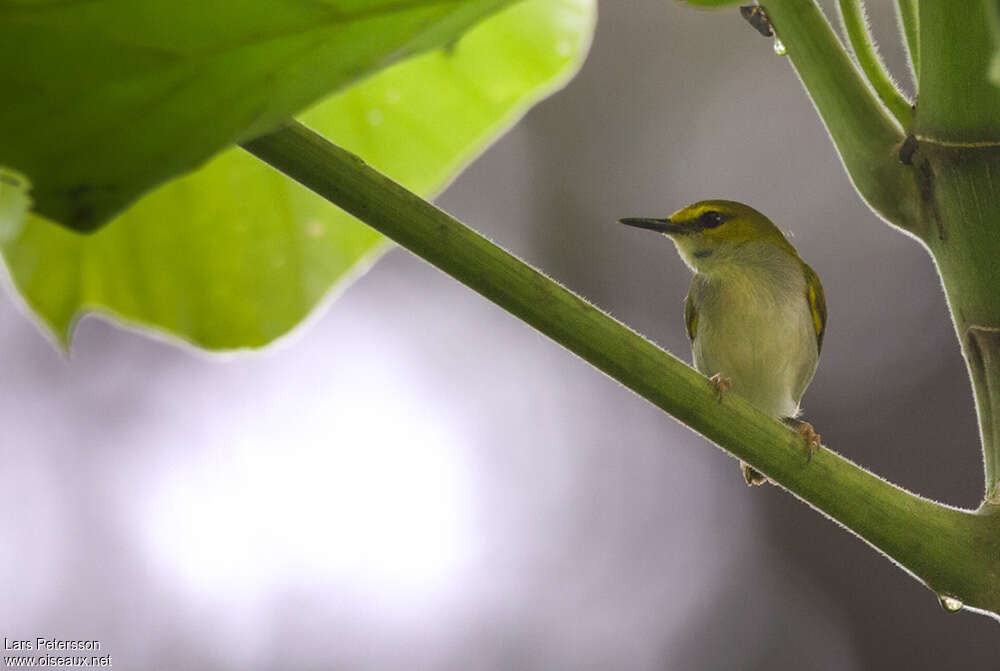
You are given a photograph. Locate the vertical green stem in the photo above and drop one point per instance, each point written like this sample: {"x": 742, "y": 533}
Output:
{"x": 958, "y": 104}
{"x": 856, "y": 26}
{"x": 958, "y": 170}
{"x": 982, "y": 345}
{"x": 993, "y": 15}
{"x": 962, "y": 198}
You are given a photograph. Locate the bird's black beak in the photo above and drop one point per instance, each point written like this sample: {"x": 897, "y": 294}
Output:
{"x": 658, "y": 225}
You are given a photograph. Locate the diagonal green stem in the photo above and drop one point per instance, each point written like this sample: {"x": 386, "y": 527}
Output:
{"x": 866, "y": 136}
{"x": 909, "y": 20}
{"x": 954, "y": 552}
{"x": 856, "y": 26}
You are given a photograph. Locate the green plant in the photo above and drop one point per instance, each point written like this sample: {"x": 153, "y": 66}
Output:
{"x": 927, "y": 170}
{"x": 234, "y": 255}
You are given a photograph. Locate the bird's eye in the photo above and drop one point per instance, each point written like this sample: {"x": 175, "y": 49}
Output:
{"x": 711, "y": 219}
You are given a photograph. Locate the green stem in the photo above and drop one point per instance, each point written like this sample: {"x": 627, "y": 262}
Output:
{"x": 982, "y": 345}
{"x": 992, "y": 9}
{"x": 856, "y": 26}
{"x": 909, "y": 19}
{"x": 866, "y": 136}
{"x": 954, "y": 552}
{"x": 958, "y": 104}
{"x": 942, "y": 179}
{"x": 961, "y": 199}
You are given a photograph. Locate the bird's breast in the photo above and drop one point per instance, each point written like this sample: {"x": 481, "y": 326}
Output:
{"x": 756, "y": 329}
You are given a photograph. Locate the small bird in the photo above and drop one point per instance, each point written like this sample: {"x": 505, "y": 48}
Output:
{"x": 755, "y": 312}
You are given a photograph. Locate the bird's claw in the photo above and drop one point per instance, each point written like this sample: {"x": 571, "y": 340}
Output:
{"x": 806, "y": 430}
{"x": 720, "y": 384}
{"x": 752, "y": 476}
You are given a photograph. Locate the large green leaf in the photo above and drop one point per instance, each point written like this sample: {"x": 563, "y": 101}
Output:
{"x": 234, "y": 255}
{"x": 104, "y": 99}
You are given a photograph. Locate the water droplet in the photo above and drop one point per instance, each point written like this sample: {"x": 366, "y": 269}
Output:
{"x": 564, "y": 48}
{"x": 779, "y": 47}
{"x": 375, "y": 116}
{"x": 392, "y": 96}
{"x": 950, "y": 603}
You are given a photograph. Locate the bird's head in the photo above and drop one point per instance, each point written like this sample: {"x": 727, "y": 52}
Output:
{"x": 712, "y": 233}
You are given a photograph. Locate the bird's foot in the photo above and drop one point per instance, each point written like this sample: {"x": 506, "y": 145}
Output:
{"x": 720, "y": 384}
{"x": 808, "y": 433}
{"x": 751, "y": 475}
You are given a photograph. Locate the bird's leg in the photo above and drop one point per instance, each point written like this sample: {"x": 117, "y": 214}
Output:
{"x": 720, "y": 384}
{"x": 806, "y": 430}
{"x": 751, "y": 475}
{"x": 808, "y": 433}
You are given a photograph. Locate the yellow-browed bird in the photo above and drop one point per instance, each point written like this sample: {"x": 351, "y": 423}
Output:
{"x": 755, "y": 313}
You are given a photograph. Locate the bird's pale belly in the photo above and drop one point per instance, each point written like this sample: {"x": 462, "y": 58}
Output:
{"x": 768, "y": 353}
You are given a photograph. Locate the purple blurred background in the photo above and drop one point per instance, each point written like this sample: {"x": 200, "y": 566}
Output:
{"x": 418, "y": 481}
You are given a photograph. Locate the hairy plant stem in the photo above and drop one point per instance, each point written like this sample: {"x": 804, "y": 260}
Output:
{"x": 852, "y": 15}
{"x": 958, "y": 166}
{"x": 866, "y": 136}
{"x": 957, "y": 102}
{"x": 961, "y": 201}
{"x": 942, "y": 183}
{"x": 909, "y": 21}
{"x": 954, "y": 552}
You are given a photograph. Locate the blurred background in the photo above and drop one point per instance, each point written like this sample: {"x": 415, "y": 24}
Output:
{"x": 416, "y": 480}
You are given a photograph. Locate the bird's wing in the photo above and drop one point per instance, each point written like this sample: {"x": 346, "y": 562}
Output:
{"x": 817, "y": 304}
{"x": 690, "y": 316}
